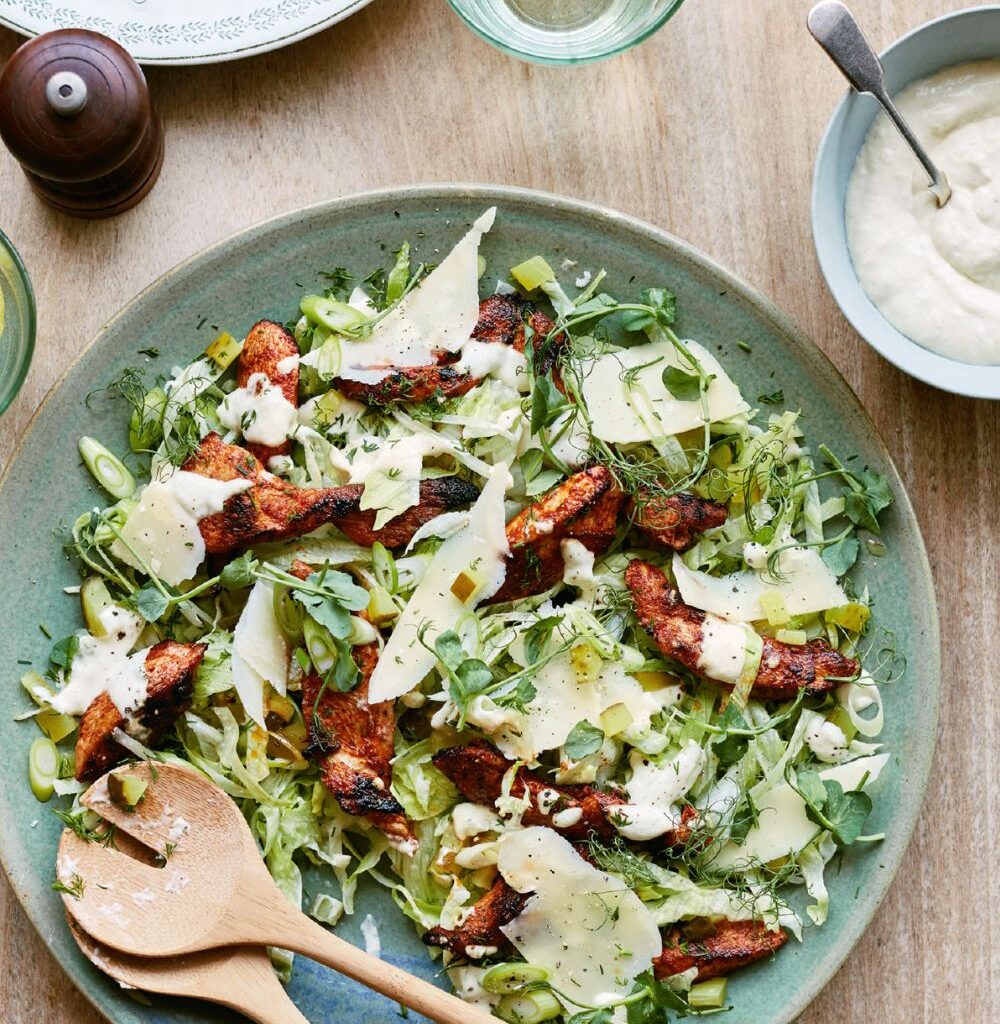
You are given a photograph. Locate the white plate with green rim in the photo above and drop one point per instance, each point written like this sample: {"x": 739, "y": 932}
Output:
{"x": 183, "y": 31}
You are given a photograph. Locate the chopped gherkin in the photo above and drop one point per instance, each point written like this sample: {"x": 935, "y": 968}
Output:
{"x": 126, "y": 790}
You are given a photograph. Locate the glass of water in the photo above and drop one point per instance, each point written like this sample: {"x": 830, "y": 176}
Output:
{"x": 564, "y": 31}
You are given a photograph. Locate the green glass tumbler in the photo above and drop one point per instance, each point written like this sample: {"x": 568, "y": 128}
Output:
{"x": 564, "y": 31}
{"x": 17, "y": 322}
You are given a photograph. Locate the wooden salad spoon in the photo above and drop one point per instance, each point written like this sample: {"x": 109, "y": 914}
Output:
{"x": 212, "y": 891}
{"x": 241, "y": 977}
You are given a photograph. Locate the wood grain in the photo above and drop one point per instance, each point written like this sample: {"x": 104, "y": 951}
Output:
{"x": 708, "y": 130}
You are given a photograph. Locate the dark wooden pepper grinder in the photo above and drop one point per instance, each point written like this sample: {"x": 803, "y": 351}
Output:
{"x": 75, "y": 113}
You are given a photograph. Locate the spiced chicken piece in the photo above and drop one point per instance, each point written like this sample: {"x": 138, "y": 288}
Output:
{"x": 170, "y": 669}
{"x": 352, "y": 742}
{"x": 273, "y": 509}
{"x": 502, "y": 320}
{"x": 675, "y": 521}
{"x": 678, "y": 630}
{"x": 478, "y": 768}
{"x": 267, "y": 345}
{"x": 716, "y": 948}
{"x": 481, "y": 927}
{"x": 584, "y": 507}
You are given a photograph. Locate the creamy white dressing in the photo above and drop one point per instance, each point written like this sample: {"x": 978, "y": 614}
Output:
{"x": 826, "y": 740}
{"x": 934, "y": 273}
{"x": 260, "y": 412}
{"x": 470, "y": 820}
{"x": 474, "y": 952}
{"x": 369, "y": 932}
{"x": 468, "y": 985}
{"x": 654, "y": 791}
{"x": 723, "y": 649}
{"x": 288, "y": 364}
{"x": 490, "y": 359}
{"x": 578, "y": 569}
{"x": 567, "y": 818}
{"x": 103, "y": 664}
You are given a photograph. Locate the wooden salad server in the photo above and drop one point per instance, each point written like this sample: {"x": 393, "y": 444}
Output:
{"x": 241, "y": 977}
{"x": 212, "y": 891}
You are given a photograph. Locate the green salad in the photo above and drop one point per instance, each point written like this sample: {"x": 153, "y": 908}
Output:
{"x": 517, "y": 606}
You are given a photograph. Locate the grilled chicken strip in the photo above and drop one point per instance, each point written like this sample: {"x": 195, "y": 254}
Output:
{"x": 584, "y": 507}
{"x": 354, "y": 748}
{"x": 478, "y": 768}
{"x": 502, "y": 319}
{"x": 265, "y": 347}
{"x": 273, "y": 509}
{"x": 170, "y": 671}
{"x": 676, "y": 521}
{"x": 482, "y": 925}
{"x": 678, "y": 630}
{"x": 723, "y": 948}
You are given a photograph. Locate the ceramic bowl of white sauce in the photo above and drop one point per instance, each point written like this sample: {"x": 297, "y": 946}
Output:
{"x": 921, "y": 285}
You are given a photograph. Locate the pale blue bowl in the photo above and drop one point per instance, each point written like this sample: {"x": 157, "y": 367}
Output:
{"x": 970, "y": 34}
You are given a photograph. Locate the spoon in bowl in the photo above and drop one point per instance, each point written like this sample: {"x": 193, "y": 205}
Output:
{"x": 833, "y": 26}
{"x": 212, "y": 889}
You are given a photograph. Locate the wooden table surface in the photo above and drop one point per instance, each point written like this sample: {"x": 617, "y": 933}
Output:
{"x": 708, "y": 130}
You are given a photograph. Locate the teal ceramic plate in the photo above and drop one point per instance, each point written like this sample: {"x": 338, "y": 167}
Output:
{"x": 262, "y": 272}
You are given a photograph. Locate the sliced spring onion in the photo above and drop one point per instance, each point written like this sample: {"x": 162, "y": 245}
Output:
{"x": 504, "y": 979}
{"x": 708, "y": 995}
{"x": 384, "y": 567}
{"x": 326, "y": 909}
{"x": 107, "y": 469}
{"x": 850, "y": 616}
{"x": 94, "y": 598}
{"x": 797, "y": 637}
{"x": 319, "y": 644}
{"x": 334, "y": 315}
{"x": 532, "y": 274}
{"x": 288, "y": 612}
{"x": 43, "y": 768}
{"x": 224, "y": 350}
{"x": 54, "y": 724}
{"x": 529, "y": 1007}
{"x": 395, "y": 284}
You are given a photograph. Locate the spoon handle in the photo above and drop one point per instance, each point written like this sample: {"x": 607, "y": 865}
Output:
{"x": 291, "y": 929}
{"x": 249, "y": 986}
{"x": 834, "y": 28}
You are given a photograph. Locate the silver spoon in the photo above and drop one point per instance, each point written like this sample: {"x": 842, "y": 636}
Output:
{"x": 834, "y": 28}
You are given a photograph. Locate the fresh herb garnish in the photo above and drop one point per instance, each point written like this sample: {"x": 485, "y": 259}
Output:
{"x": 583, "y": 739}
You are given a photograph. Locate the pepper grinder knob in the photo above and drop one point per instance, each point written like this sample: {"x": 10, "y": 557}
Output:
{"x": 75, "y": 113}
